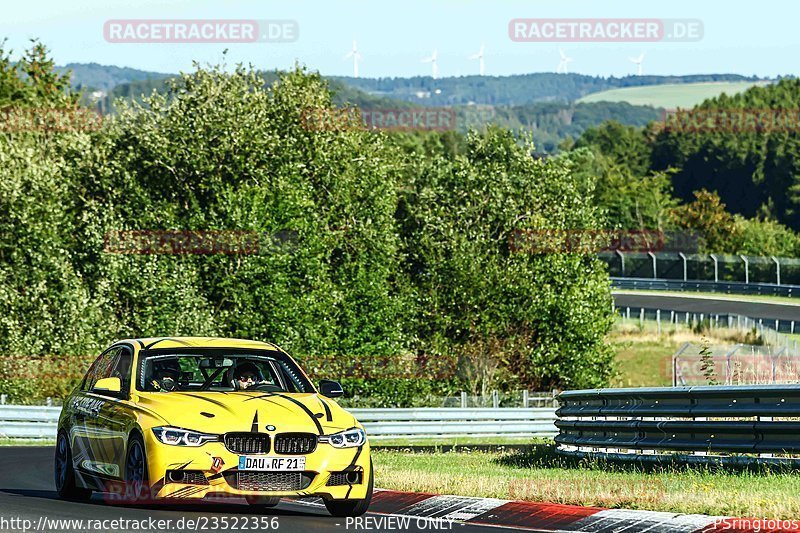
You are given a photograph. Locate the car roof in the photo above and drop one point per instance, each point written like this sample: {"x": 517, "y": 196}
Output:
{"x": 197, "y": 342}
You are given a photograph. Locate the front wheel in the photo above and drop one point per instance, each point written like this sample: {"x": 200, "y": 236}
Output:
{"x": 345, "y": 508}
{"x": 65, "y": 472}
{"x": 137, "y": 488}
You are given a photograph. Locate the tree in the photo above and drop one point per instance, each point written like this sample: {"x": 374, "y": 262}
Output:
{"x": 544, "y": 314}
{"x": 707, "y": 216}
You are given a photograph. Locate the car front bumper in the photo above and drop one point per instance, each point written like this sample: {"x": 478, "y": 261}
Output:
{"x": 212, "y": 470}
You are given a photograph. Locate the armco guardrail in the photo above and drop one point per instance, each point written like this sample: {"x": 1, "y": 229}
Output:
{"x": 648, "y": 423}
{"x": 28, "y": 421}
{"x": 727, "y": 287}
{"x": 431, "y": 423}
{"x": 34, "y": 422}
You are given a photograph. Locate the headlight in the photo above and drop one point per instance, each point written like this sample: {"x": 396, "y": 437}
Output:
{"x": 345, "y": 439}
{"x": 183, "y": 437}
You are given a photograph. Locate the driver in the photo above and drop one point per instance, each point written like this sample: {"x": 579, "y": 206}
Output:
{"x": 247, "y": 375}
{"x": 166, "y": 375}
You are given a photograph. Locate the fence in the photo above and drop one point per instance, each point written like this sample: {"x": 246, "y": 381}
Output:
{"x": 39, "y": 422}
{"x": 695, "y": 424}
{"x": 734, "y": 365}
{"x": 703, "y": 267}
{"x": 770, "y": 331}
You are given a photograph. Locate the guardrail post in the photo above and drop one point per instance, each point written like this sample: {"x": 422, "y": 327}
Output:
{"x": 3, "y": 398}
{"x": 653, "y": 256}
{"x": 777, "y": 269}
{"x": 463, "y": 400}
{"x": 525, "y": 398}
{"x": 621, "y": 262}
{"x": 716, "y": 267}
{"x": 682, "y": 256}
{"x": 641, "y": 317}
{"x": 658, "y": 321}
{"x": 49, "y": 401}
{"x": 495, "y": 399}
{"x": 746, "y": 269}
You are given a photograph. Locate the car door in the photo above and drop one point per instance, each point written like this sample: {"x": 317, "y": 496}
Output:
{"x": 85, "y": 408}
{"x": 113, "y": 417}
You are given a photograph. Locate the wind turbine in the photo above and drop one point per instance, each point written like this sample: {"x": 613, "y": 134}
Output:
{"x": 479, "y": 57}
{"x": 433, "y": 61}
{"x": 638, "y": 62}
{"x": 562, "y": 65}
{"x": 354, "y": 53}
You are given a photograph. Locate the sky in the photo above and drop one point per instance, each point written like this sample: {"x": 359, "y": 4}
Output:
{"x": 753, "y": 38}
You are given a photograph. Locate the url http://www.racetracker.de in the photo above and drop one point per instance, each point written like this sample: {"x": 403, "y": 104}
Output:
{"x": 46, "y": 524}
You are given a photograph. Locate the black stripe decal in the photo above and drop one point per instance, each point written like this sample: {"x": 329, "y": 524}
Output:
{"x": 352, "y": 465}
{"x": 305, "y": 409}
{"x": 328, "y": 415}
{"x": 215, "y": 402}
{"x": 254, "y": 427}
{"x": 167, "y": 339}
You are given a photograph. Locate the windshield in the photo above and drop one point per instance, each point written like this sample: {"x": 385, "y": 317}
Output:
{"x": 219, "y": 371}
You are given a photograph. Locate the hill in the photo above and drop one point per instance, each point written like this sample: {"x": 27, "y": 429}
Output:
{"x": 515, "y": 90}
{"x": 672, "y": 95}
{"x": 92, "y": 76}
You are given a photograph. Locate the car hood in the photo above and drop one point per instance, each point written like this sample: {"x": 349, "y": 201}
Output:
{"x": 218, "y": 412}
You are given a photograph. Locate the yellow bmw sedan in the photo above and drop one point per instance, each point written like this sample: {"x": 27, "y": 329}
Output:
{"x": 202, "y": 417}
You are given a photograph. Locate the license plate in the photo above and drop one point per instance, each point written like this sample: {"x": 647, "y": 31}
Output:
{"x": 265, "y": 463}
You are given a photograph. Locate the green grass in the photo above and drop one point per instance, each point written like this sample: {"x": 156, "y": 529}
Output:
{"x": 27, "y": 442}
{"x": 644, "y": 363}
{"x": 669, "y": 96}
{"x": 540, "y": 475}
{"x": 449, "y": 442}
{"x": 643, "y": 355}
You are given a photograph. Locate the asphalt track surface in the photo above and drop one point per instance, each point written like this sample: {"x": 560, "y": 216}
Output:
{"x": 710, "y": 305}
{"x": 27, "y": 492}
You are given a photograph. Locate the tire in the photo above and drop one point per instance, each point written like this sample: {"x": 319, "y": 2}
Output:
{"x": 345, "y": 508}
{"x": 263, "y": 501}
{"x": 64, "y": 472}
{"x": 137, "y": 488}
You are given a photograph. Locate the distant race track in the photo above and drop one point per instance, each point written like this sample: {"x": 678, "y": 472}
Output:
{"x": 710, "y": 304}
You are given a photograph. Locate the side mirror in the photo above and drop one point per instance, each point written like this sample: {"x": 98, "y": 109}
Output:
{"x": 331, "y": 389}
{"x": 108, "y": 386}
